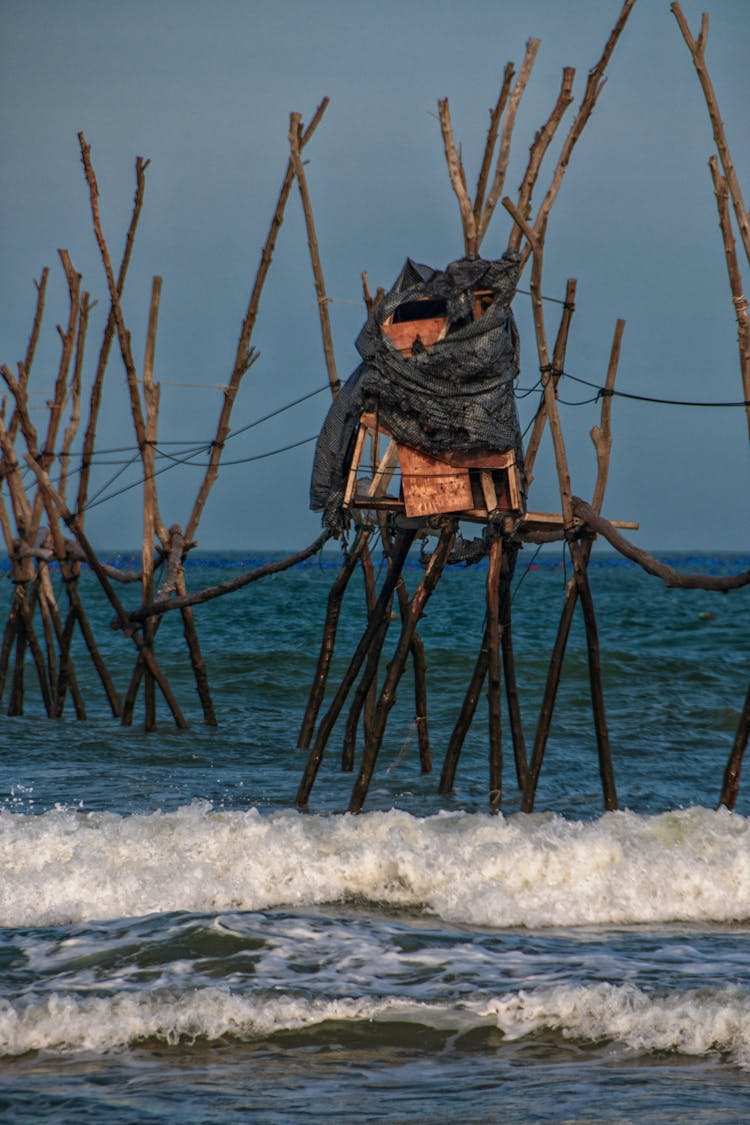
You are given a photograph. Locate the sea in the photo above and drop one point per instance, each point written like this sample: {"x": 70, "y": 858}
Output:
{"x": 180, "y": 943}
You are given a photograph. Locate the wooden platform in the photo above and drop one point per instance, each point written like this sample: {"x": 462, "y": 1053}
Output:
{"x": 471, "y": 486}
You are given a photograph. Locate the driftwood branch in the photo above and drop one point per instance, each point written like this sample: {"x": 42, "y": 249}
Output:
{"x": 211, "y": 592}
{"x": 671, "y": 578}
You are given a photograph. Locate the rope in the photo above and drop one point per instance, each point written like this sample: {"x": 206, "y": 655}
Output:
{"x": 605, "y": 391}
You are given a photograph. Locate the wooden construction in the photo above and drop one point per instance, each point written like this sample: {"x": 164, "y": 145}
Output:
{"x": 396, "y": 491}
{"x": 404, "y": 491}
{"x": 470, "y": 485}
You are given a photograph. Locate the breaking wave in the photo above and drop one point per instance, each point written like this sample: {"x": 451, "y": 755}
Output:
{"x": 697, "y": 1023}
{"x": 540, "y": 870}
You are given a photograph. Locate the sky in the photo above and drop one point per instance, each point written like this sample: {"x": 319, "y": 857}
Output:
{"x": 204, "y": 91}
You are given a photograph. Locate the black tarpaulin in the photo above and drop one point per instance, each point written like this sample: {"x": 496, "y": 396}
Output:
{"x": 457, "y": 395}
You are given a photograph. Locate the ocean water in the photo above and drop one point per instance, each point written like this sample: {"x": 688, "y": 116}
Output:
{"x": 179, "y": 943}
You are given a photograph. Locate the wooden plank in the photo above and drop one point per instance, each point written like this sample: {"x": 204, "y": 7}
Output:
{"x": 431, "y": 487}
{"x": 404, "y": 334}
{"x": 488, "y": 490}
{"x": 351, "y": 480}
{"x": 481, "y": 460}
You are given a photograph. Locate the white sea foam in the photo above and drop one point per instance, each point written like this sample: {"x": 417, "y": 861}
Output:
{"x": 541, "y": 870}
{"x": 691, "y": 1023}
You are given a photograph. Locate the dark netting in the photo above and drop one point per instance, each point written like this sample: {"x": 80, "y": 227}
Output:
{"x": 458, "y": 395}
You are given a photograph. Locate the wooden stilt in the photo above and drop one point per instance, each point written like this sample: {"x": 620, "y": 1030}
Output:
{"x": 365, "y": 691}
{"x": 731, "y": 785}
{"x": 27, "y": 611}
{"x": 419, "y": 666}
{"x": 548, "y": 700}
{"x": 387, "y": 697}
{"x": 580, "y": 564}
{"x": 335, "y": 598}
{"x": 493, "y": 669}
{"x": 113, "y": 697}
{"x": 509, "y": 669}
{"x": 403, "y": 542}
{"x": 9, "y": 636}
{"x": 114, "y": 601}
{"x": 15, "y": 706}
{"x": 466, "y": 715}
{"x": 196, "y": 659}
{"x": 371, "y": 597}
{"x": 66, "y": 677}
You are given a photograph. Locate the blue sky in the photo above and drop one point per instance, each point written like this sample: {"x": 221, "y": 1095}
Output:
{"x": 204, "y": 91}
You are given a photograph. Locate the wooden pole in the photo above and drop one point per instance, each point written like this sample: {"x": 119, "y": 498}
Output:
{"x": 295, "y": 140}
{"x": 509, "y": 667}
{"x": 387, "y": 698}
{"x": 580, "y": 559}
{"x": 333, "y": 612}
{"x": 151, "y": 519}
{"x": 697, "y": 48}
{"x": 731, "y": 786}
{"x": 503, "y": 156}
{"x": 403, "y": 542}
{"x": 601, "y": 436}
{"x": 594, "y": 86}
{"x": 493, "y": 668}
{"x": 739, "y": 300}
{"x": 147, "y": 655}
{"x": 558, "y": 365}
{"x": 245, "y": 356}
